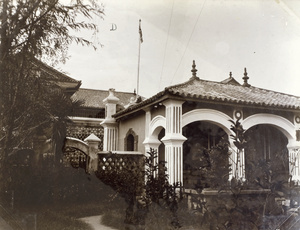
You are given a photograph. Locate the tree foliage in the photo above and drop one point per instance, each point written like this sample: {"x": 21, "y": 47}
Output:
{"x": 42, "y": 27}
{"x": 31, "y": 104}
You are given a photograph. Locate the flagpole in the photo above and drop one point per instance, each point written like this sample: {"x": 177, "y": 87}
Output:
{"x": 139, "y": 57}
{"x": 138, "y": 72}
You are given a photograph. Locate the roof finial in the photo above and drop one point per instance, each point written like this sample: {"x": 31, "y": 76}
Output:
{"x": 246, "y": 84}
{"x": 230, "y": 74}
{"x": 194, "y": 70}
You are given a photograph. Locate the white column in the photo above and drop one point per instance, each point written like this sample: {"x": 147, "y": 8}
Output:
{"x": 173, "y": 141}
{"x": 294, "y": 153}
{"x": 110, "y": 125}
{"x": 110, "y": 140}
{"x": 154, "y": 144}
{"x": 232, "y": 160}
{"x": 294, "y": 163}
{"x": 241, "y": 166}
{"x": 237, "y": 157}
{"x": 237, "y": 161}
{"x": 148, "y": 142}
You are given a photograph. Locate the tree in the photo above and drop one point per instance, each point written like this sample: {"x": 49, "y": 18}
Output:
{"x": 32, "y": 30}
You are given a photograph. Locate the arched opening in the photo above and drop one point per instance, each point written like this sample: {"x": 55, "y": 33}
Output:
{"x": 201, "y": 157}
{"x": 130, "y": 143}
{"x": 266, "y": 155}
{"x": 161, "y": 153}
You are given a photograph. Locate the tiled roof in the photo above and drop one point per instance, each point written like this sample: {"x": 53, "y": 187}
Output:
{"x": 224, "y": 92}
{"x": 53, "y": 74}
{"x": 216, "y": 91}
{"x": 91, "y": 98}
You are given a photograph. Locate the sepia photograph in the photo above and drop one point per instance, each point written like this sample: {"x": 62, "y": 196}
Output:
{"x": 149, "y": 115}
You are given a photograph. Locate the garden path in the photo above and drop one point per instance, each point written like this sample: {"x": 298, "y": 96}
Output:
{"x": 96, "y": 223}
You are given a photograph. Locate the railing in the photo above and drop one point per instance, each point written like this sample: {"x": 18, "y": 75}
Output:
{"x": 120, "y": 162}
{"x": 124, "y": 171}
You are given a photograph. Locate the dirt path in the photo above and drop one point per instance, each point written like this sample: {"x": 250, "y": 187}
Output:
{"x": 95, "y": 222}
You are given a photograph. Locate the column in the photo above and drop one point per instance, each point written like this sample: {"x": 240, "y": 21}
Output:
{"x": 294, "y": 163}
{"x": 237, "y": 162}
{"x": 294, "y": 152}
{"x": 173, "y": 141}
{"x": 237, "y": 157}
{"x": 150, "y": 141}
{"x": 110, "y": 139}
{"x": 110, "y": 125}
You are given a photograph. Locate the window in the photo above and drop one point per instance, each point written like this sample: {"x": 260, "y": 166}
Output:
{"x": 131, "y": 141}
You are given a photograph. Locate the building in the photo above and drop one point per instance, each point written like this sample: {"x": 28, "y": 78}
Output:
{"x": 183, "y": 119}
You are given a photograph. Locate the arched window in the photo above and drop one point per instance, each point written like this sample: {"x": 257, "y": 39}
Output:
{"x": 131, "y": 141}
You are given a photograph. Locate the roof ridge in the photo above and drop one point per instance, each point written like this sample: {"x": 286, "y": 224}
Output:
{"x": 182, "y": 84}
{"x": 93, "y": 89}
{"x": 254, "y": 87}
{"x": 105, "y": 90}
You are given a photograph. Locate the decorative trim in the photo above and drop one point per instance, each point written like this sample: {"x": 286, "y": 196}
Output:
{"x": 297, "y": 119}
{"x": 238, "y": 114}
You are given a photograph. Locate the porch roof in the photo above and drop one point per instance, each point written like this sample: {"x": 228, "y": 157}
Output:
{"x": 227, "y": 91}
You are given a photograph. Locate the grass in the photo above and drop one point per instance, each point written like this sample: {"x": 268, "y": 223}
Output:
{"x": 158, "y": 217}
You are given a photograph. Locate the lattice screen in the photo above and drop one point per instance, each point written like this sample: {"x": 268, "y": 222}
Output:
{"x": 124, "y": 172}
{"x": 119, "y": 162}
{"x": 81, "y": 132}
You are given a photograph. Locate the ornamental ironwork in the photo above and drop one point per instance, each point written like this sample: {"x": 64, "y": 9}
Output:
{"x": 75, "y": 158}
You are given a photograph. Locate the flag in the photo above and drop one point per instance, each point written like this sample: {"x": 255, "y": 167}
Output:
{"x": 140, "y": 31}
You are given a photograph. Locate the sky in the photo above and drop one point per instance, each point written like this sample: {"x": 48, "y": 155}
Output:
{"x": 222, "y": 36}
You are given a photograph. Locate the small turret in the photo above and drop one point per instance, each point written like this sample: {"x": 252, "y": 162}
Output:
{"x": 194, "y": 71}
{"x": 245, "y": 78}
